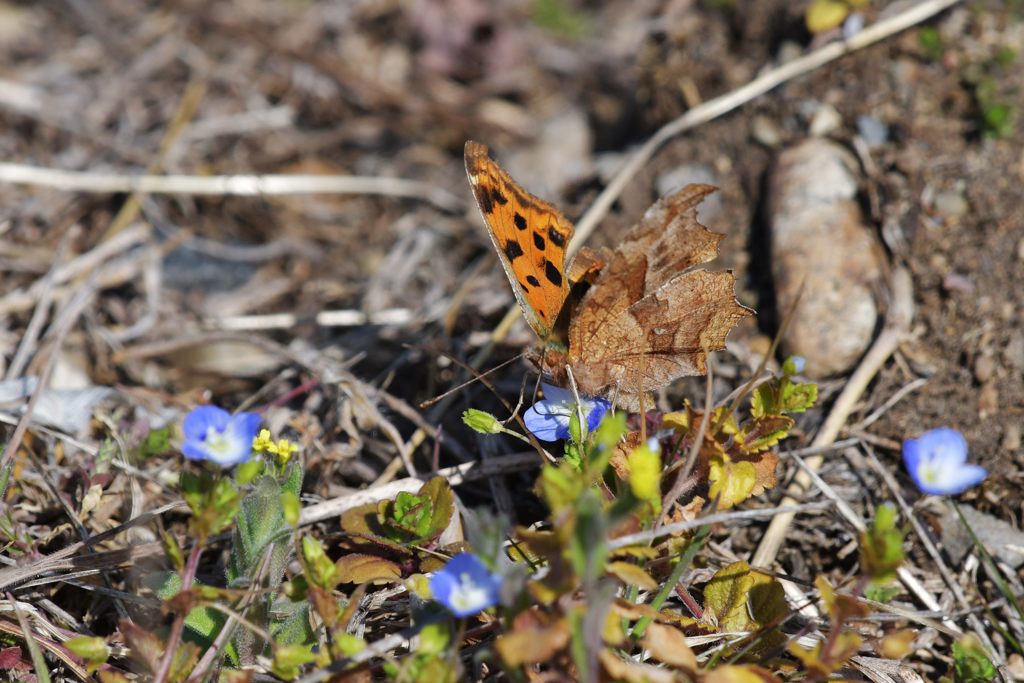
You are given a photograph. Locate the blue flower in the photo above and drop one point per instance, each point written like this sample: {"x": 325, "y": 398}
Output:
{"x": 548, "y": 420}
{"x": 212, "y": 433}
{"x": 465, "y": 586}
{"x": 937, "y": 462}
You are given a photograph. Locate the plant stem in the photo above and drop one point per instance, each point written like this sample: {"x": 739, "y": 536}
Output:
{"x": 178, "y": 627}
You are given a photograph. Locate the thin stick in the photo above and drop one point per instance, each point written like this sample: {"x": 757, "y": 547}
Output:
{"x": 645, "y": 537}
{"x": 63, "y": 322}
{"x": 929, "y": 546}
{"x": 691, "y": 459}
{"x": 241, "y": 185}
{"x": 38, "y": 319}
{"x": 718, "y": 106}
{"x": 896, "y": 330}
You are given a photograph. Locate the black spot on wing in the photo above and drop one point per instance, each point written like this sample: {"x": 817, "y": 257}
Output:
{"x": 533, "y": 281}
{"x": 552, "y": 274}
{"x": 513, "y": 250}
{"x": 497, "y": 196}
{"x": 538, "y": 241}
{"x": 519, "y": 221}
{"x": 483, "y": 199}
{"x": 556, "y": 238}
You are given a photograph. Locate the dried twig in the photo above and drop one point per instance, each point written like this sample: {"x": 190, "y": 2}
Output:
{"x": 470, "y": 471}
{"x": 717, "y": 518}
{"x": 241, "y": 185}
{"x": 929, "y": 546}
{"x": 718, "y": 106}
{"x": 895, "y": 332}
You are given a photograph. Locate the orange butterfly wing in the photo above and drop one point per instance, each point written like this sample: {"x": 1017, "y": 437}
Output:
{"x": 530, "y": 235}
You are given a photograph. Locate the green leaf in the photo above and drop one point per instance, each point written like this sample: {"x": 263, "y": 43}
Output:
{"x": 998, "y": 119}
{"x": 606, "y": 437}
{"x": 173, "y": 550}
{"x": 291, "y": 507}
{"x": 970, "y": 663}
{"x": 881, "y": 548}
{"x": 731, "y": 482}
{"x": 762, "y": 433}
{"x": 726, "y": 596}
{"x": 213, "y": 500}
{"x": 261, "y": 523}
{"x": 561, "y": 485}
{"x": 560, "y": 18}
{"x": 418, "y": 517}
{"x": 410, "y": 514}
{"x": 249, "y": 470}
{"x": 320, "y": 570}
{"x": 349, "y": 644}
{"x": 289, "y": 659}
{"x": 882, "y": 592}
{"x": 434, "y": 639}
{"x": 797, "y": 397}
{"x": 291, "y": 625}
{"x": 645, "y": 475}
{"x": 587, "y": 546}
{"x": 742, "y": 599}
{"x": 157, "y": 442}
{"x": 578, "y": 643}
{"x": 93, "y": 650}
{"x": 931, "y": 42}
{"x": 577, "y": 430}
{"x": 203, "y": 624}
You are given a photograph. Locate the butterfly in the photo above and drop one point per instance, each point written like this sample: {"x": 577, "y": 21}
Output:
{"x": 626, "y": 322}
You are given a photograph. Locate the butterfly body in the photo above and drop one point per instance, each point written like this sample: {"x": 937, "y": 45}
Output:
{"x": 628, "y": 322}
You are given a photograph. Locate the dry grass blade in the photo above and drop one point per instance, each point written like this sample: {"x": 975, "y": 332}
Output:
{"x": 238, "y": 185}
{"x": 896, "y": 329}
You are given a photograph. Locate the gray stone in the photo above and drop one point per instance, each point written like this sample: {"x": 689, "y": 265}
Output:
{"x": 819, "y": 242}
{"x": 1002, "y": 541}
{"x": 872, "y": 130}
{"x": 825, "y": 121}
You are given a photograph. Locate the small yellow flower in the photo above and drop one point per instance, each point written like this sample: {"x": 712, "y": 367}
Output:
{"x": 262, "y": 443}
{"x": 284, "y": 449}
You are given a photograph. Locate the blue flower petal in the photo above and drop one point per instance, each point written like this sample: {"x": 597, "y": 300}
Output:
{"x": 598, "y": 407}
{"x": 937, "y": 462}
{"x": 946, "y": 444}
{"x": 213, "y": 434}
{"x": 557, "y": 394}
{"x": 465, "y": 586}
{"x": 200, "y": 420}
{"x": 547, "y": 420}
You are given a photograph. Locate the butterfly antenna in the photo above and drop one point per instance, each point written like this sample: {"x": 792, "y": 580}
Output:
{"x": 477, "y": 376}
{"x": 518, "y": 418}
{"x": 576, "y": 396}
{"x": 519, "y": 403}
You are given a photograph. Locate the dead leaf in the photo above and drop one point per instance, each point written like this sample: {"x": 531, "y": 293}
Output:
{"x": 533, "y": 639}
{"x": 631, "y": 672}
{"x": 668, "y": 645}
{"x": 359, "y": 568}
{"x": 631, "y": 575}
